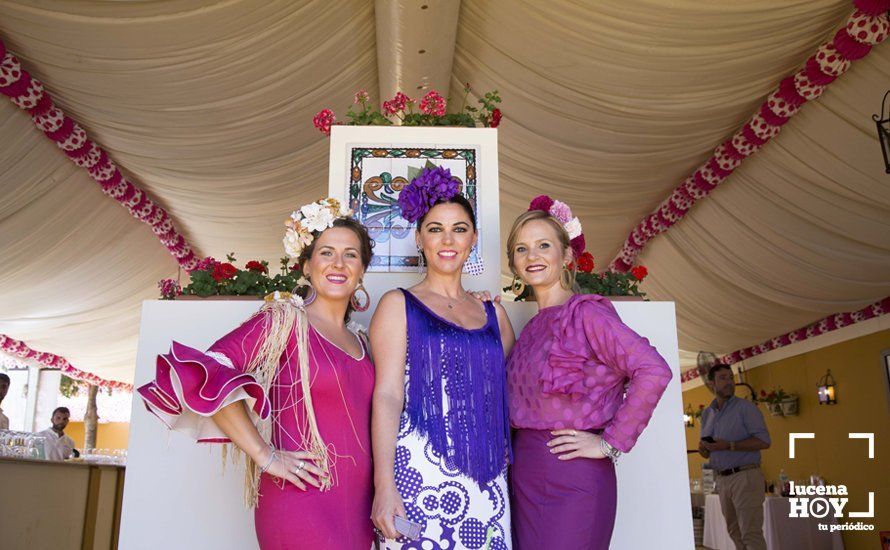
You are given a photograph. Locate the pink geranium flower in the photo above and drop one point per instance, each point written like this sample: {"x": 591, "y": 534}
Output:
{"x": 361, "y": 96}
{"x": 433, "y": 104}
{"x": 396, "y": 104}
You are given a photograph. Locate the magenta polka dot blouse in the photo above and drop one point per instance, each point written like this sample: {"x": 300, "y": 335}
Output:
{"x": 578, "y": 366}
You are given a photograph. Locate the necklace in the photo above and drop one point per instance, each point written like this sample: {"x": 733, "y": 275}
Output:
{"x": 448, "y": 301}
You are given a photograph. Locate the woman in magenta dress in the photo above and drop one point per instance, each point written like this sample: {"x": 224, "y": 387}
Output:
{"x": 291, "y": 389}
{"x": 567, "y": 376}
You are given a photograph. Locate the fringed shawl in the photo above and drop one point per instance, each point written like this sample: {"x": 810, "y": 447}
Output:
{"x": 456, "y": 390}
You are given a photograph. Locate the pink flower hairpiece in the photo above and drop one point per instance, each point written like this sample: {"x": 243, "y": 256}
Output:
{"x": 563, "y": 214}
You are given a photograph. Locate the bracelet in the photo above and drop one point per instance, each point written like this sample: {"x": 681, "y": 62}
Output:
{"x": 609, "y": 450}
{"x": 269, "y": 463}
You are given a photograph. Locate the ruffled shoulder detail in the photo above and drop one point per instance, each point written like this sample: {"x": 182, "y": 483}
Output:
{"x": 191, "y": 386}
{"x": 566, "y": 368}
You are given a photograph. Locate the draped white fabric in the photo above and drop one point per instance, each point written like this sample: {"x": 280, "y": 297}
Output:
{"x": 608, "y": 106}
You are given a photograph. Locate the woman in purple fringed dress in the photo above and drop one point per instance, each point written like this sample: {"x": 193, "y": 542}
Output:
{"x": 440, "y": 425}
{"x": 291, "y": 389}
{"x": 567, "y": 377}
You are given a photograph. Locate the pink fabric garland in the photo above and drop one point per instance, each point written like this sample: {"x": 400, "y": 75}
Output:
{"x": 19, "y": 349}
{"x": 28, "y": 94}
{"x": 867, "y": 26}
{"x": 828, "y": 324}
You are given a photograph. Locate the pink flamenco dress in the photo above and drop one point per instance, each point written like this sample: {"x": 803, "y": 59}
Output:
{"x": 191, "y": 386}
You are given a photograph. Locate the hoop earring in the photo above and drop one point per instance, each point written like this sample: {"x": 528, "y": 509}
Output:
{"x": 518, "y": 285}
{"x": 310, "y": 297}
{"x": 567, "y": 278}
{"x": 356, "y": 303}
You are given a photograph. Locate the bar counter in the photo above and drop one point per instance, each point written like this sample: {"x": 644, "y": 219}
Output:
{"x": 59, "y": 505}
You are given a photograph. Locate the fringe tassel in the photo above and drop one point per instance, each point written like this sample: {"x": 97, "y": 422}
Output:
{"x": 281, "y": 319}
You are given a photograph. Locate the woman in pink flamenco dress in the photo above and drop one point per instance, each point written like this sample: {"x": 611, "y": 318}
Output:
{"x": 291, "y": 389}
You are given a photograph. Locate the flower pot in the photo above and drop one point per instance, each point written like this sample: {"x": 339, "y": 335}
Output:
{"x": 775, "y": 409}
{"x": 217, "y": 297}
{"x": 789, "y": 406}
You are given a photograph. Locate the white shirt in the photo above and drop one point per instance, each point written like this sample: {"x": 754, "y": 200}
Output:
{"x": 4, "y": 421}
{"x": 57, "y": 447}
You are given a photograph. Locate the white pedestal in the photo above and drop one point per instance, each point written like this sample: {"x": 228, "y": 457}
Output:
{"x": 177, "y": 497}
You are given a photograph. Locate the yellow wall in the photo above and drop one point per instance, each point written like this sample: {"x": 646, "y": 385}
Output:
{"x": 863, "y": 406}
{"x": 113, "y": 435}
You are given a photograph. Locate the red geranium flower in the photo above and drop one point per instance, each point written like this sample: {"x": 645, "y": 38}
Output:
{"x": 495, "y": 118}
{"x": 585, "y": 262}
{"x": 639, "y": 272}
{"x": 224, "y": 271}
{"x": 295, "y": 267}
{"x": 254, "y": 265}
{"x": 324, "y": 120}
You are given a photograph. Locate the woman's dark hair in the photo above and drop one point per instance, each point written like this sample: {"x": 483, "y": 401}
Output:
{"x": 366, "y": 247}
{"x": 717, "y": 367}
{"x": 456, "y": 199}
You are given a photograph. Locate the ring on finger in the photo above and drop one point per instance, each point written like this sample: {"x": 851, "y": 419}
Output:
{"x": 574, "y": 433}
{"x": 300, "y": 465}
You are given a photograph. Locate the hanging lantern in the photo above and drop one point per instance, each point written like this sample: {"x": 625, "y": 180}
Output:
{"x": 688, "y": 416}
{"x": 883, "y": 123}
{"x": 826, "y": 390}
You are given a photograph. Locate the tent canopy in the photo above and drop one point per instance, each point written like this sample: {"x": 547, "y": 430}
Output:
{"x": 207, "y": 106}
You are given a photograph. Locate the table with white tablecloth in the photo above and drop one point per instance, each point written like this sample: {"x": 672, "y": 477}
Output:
{"x": 780, "y": 531}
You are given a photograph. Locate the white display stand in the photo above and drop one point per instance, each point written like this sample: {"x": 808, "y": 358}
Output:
{"x": 176, "y": 495}
{"x": 484, "y": 141}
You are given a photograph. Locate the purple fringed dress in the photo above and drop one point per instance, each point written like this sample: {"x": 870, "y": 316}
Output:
{"x": 570, "y": 369}
{"x": 453, "y": 443}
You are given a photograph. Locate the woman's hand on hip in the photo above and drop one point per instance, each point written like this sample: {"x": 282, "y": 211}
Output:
{"x": 297, "y": 467}
{"x": 387, "y": 504}
{"x": 571, "y": 444}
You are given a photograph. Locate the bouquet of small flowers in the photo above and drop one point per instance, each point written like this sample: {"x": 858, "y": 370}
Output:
{"x": 430, "y": 110}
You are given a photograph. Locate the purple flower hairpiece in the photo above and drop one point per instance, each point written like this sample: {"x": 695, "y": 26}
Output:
{"x": 434, "y": 184}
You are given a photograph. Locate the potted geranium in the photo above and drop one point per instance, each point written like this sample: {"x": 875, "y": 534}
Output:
{"x": 779, "y": 403}
{"x": 223, "y": 280}
{"x": 790, "y": 405}
{"x": 430, "y": 110}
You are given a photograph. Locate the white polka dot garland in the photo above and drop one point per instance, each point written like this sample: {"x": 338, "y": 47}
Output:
{"x": 29, "y": 94}
{"x": 863, "y": 28}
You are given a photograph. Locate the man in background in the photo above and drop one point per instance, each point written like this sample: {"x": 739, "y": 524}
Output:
{"x": 4, "y": 388}
{"x": 58, "y": 445}
{"x": 732, "y": 435}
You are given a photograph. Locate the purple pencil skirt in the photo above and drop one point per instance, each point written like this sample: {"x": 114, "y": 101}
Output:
{"x": 556, "y": 503}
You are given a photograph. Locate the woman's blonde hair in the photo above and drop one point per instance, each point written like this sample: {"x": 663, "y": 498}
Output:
{"x": 568, "y": 278}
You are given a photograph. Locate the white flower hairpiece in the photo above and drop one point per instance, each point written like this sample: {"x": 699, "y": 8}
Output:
{"x": 304, "y": 224}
